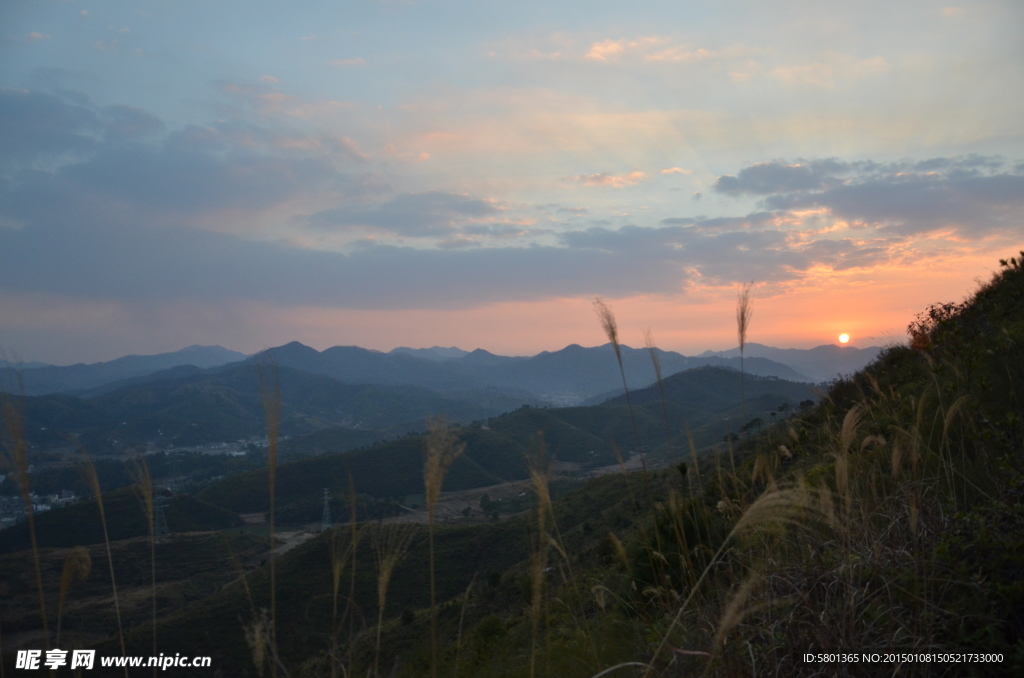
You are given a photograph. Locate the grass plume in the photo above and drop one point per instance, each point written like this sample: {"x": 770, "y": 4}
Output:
{"x": 93, "y": 479}
{"x": 270, "y": 394}
{"x": 442, "y": 449}
{"x": 77, "y": 565}
{"x": 138, "y": 470}
{"x": 16, "y": 432}
{"x": 390, "y": 544}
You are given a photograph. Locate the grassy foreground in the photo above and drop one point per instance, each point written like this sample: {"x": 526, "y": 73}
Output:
{"x": 887, "y": 519}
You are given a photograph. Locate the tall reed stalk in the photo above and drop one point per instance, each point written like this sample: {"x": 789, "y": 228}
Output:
{"x": 16, "y": 431}
{"x": 390, "y": 544}
{"x": 89, "y": 471}
{"x": 139, "y": 472}
{"x": 77, "y": 565}
{"x": 270, "y": 394}
{"x": 744, "y": 313}
{"x": 356, "y": 536}
{"x": 611, "y": 330}
{"x": 442, "y": 449}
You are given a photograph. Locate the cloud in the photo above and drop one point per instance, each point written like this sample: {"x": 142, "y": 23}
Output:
{"x": 36, "y": 37}
{"x": 605, "y": 179}
{"x": 650, "y": 49}
{"x": 676, "y": 170}
{"x": 107, "y": 203}
{"x": 38, "y": 125}
{"x": 828, "y": 70}
{"x": 269, "y": 78}
{"x": 722, "y": 251}
{"x": 130, "y": 122}
{"x": 347, "y": 63}
{"x": 67, "y": 160}
{"x": 777, "y": 177}
{"x": 174, "y": 263}
{"x": 970, "y": 195}
{"x": 412, "y": 214}
{"x": 605, "y": 50}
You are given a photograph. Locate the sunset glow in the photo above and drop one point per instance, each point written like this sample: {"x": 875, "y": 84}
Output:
{"x": 417, "y": 174}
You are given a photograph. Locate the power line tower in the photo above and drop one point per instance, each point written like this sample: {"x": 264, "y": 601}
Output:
{"x": 160, "y": 529}
{"x": 325, "y": 522}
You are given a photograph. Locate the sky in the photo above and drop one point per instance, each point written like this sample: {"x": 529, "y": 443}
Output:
{"x": 475, "y": 173}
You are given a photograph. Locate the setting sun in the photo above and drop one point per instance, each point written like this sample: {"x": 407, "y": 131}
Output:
{"x": 843, "y": 338}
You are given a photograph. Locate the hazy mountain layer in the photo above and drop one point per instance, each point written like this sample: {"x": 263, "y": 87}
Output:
{"x": 52, "y": 379}
{"x": 568, "y": 376}
{"x": 224, "y": 404}
{"x": 822, "y": 363}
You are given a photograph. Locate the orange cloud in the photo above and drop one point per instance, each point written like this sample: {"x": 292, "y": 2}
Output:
{"x": 605, "y": 179}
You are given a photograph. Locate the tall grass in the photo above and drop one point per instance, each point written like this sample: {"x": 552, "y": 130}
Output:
{"x": 139, "y": 473}
{"x": 77, "y": 565}
{"x": 270, "y": 394}
{"x": 89, "y": 471}
{"x": 744, "y": 314}
{"x": 19, "y": 465}
{"x": 390, "y": 544}
{"x": 442, "y": 449}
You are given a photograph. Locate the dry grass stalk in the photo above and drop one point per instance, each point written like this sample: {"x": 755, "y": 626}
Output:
{"x": 744, "y": 313}
{"x": 77, "y": 565}
{"x": 442, "y": 449}
{"x": 611, "y": 330}
{"x": 735, "y": 611}
{"x": 390, "y": 544}
{"x": 89, "y": 471}
{"x": 139, "y": 473}
{"x": 536, "y": 459}
{"x": 462, "y": 617}
{"x": 772, "y": 510}
{"x": 258, "y": 635}
{"x": 339, "y": 560}
{"x": 16, "y": 429}
{"x": 270, "y": 394}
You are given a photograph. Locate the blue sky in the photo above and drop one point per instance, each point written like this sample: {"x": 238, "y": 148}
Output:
{"x": 418, "y": 173}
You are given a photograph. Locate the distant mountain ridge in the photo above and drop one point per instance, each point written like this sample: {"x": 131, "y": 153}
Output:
{"x": 439, "y": 353}
{"x": 568, "y": 376}
{"x": 564, "y": 377}
{"x": 70, "y": 378}
{"x": 821, "y": 363}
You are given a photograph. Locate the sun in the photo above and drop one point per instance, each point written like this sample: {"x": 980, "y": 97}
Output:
{"x": 843, "y": 338}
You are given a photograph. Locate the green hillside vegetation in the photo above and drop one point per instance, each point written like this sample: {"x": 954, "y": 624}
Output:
{"x": 392, "y": 469}
{"x": 182, "y": 469}
{"x": 221, "y": 405}
{"x": 490, "y": 555}
{"x": 79, "y": 524}
{"x": 189, "y": 567}
{"x": 587, "y": 436}
{"x": 331, "y": 439}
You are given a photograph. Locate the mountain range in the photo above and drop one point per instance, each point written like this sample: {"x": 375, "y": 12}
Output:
{"x": 569, "y": 376}
{"x": 821, "y": 363}
{"x": 68, "y": 379}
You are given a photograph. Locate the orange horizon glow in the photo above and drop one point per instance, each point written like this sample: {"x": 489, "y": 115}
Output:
{"x": 872, "y": 306}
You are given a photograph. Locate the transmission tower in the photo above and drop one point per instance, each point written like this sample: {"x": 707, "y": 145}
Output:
{"x": 161, "y": 520}
{"x": 325, "y": 522}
